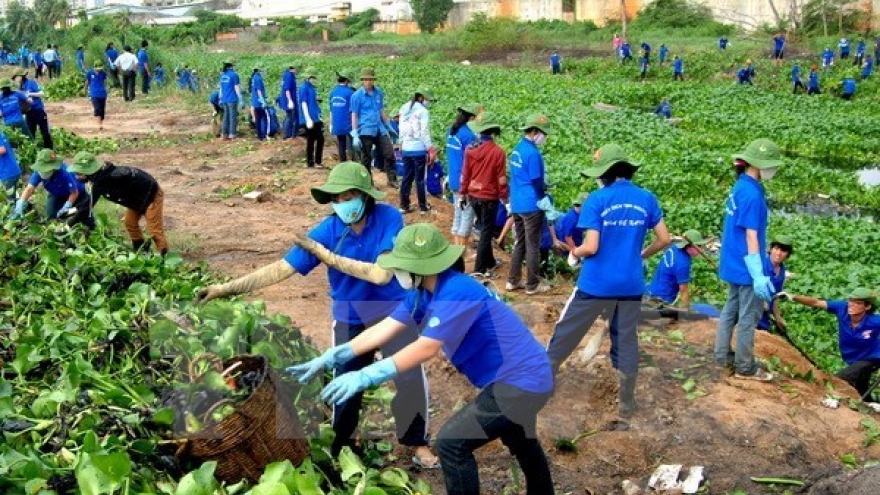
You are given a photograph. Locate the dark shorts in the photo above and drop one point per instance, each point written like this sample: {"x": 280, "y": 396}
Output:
{"x": 777, "y": 54}
{"x": 99, "y": 105}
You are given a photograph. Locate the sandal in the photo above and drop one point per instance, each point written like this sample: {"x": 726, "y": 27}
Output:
{"x": 432, "y": 462}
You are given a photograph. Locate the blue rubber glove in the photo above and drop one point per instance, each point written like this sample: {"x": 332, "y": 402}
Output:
{"x": 18, "y": 212}
{"x": 64, "y": 209}
{"x": 761, "y": 283}
{"x": 355, "y": 140}
{"x": 262, "y": 103}
{"x": 545, "y": 204}
{"x": 343, "y": 387}
{"x": 331, "y": 358}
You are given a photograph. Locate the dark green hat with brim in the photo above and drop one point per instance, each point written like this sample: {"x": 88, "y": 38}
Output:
{"x": 368, "y": 73}
{"x": 606, "y": 157}
{"x": 484, "y": 122}
{"x": 421, "y": 249}
{"x": 99, "y": 64}
{"x": 691, "y": 236}
{"x": 538, "y": 121}
{"x": 310, "y": 72}
{"x": 343, "y": 74}
{"x": 761, "y": 153}
{"x": 5, "y": 83}
{"x": 426, "y": 92}
{"x": 20, "y": 73}
{"x": 47, "y": 160}
{"x": 84, "y": 163}
{"x": 471, "y": 108}
{"x": 229, "y": 61}
{"x": 864, "y": 294}
{"x": 782, "y": 240}
{"x": 345, "y": 177}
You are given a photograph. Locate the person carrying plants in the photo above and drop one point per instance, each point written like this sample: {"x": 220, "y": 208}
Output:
{"x": 781, "y": 248}
{"x": 288, "y": 103}
{"x": 96, "y": 88}
{"x": 368, "y": 120}
{"x": 417, "y": 148}
{"x": 36, "y": 112}
{"x": 11, "y": 103}
{"x": 858, "y": 326}
{"x": 672, "y": 278}
{"x": 230, "y": 99}
{"x": 258, "y": 104}
{"x": 458, "y": 139}
{"x": 349, "y": 241}
{"x": 528, "y": 203}
{"x": 310, "y": 118}
{"x": 483, "y": 338}
{"x": 340, "y": 115}
{"x": 483, "y": 185}
{"x": 743, "y": 244}
{"x": 616, "y": 219}
{"x": 130, "y": 187}
{"x": 555, "y": 63}
{"x": 566, "y": 227}
{"x": 65, "y": 194}
{"x": 10, "y": 170}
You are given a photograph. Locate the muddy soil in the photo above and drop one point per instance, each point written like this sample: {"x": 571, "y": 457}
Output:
{"x": 735, "y": 429}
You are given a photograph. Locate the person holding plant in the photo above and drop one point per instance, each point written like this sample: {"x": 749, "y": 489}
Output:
{"x": 340, "y": 115}
{"x": 743, "y": 244}
{"x": 349, "y": 241}
{"x": 566, "y": 228}
{"x": 36, "y": 113}
{"x": 483, "y": 338}
{"x": 458, "y": 139}
{"x": 10, "y": 170}
{"x": 230, "y": 98}
{"x": 66, "y": 197}
{"x": 310, "y": 118}
{"x": 774, "y": 267}
{"x": 96, "y": 88}
{"x": 858, "y": 327}
{"x": 11, "y": 103}
{"x": 616, "y": 220}
{"x": 130, "y": 187}
{"x": 672, "y": 278}
{"x": 417, "y": 148}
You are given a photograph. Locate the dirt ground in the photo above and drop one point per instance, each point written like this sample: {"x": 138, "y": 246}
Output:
{"x": 736, "y": 430}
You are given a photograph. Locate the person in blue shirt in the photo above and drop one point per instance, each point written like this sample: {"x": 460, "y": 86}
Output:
{"x": 813, "y": 81}
{"x": 349, "y": 242}
{"x": 827, "y": 59}
{"x": 796, "y": 78}
{"x": 81, "y": 59}
{"x": 664, "y": 50}
{"x": 860, "y": 53}
{"x": 625, "y": 52}
{"x": 723, "y": 43}
{"x": 746, "y": 74}
{"x": 527, "y": 195}
{"x": 458, "y": 139}
{"x": 10, "y": 170}
{"x": 96, "y": 88}
{"x": 848, "y": 88}
{"x": 159, "y": 75}
{"x": 340, "y": 115}
{"x": 230, "y": 98}
{"x": 36, "y": 115}
{"x": 368, "y": 124}
{"x": 664, "y": 109}
{"x": 23, "y": 56}
{"x": 616, "y": 219}
{"x": 66, "y": 197}
{"x": 144, "y": 68}
{"x": 743, "y": 246}
{"x": 566, "y": 228}
{"x": 10, "y": 107}
{"x": 672, "y": 278}
{"x": 39, "y": 64}
{"x": 183, "y": 76}
{"x": 258, "y": 103}
{"x": 646, "y": 51}
{"x": 774, "y": 267}
{"x": 858, "y": 327}
{"x": 843, "y": 46}
{"x": 677, "y": 69}
{"x": 310, "y": 118}
{"x": 288, "y": 103}
{"x": 867, "y": 67}
{"x": 217, "y": 114}
{"x": 779, "y": 48}
{"x": 644, "y": 62}
{"x": 482, "y": 337}
{"x": 195, "y": 83}
{"x": 555, "y": 63}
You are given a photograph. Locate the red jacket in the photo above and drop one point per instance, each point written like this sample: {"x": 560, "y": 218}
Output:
{"x": 485, "y": 172}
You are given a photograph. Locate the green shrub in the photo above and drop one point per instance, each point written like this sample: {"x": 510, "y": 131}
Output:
{"x": 267, "y": 36}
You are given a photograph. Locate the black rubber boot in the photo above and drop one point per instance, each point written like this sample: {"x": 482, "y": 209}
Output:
{"x": 391, "y": 172}
{"x": 142, "y": 245}
{"x": 626, "y": 394}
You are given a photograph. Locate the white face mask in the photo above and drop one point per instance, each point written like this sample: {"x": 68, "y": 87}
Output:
{"x": 427, "y": 103}
{"x": 540, "y": 139}
{"x": 407, "y": 280}
{"x": 599, "y": 183}
{"x": 768, "y": 173}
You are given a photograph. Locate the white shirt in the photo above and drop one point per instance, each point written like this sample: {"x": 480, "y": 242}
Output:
{"x": 415, "y": 128}
{"x": 126, "y": 61}
{"x": 49, "y": 55}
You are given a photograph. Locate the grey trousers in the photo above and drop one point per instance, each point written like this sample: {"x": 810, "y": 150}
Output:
{"x": 742, "y": 310}
{"x": 526, "y": 245}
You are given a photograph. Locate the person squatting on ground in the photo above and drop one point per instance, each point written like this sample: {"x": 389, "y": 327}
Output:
{"x": 774, "y": 267}
{"x": 741, "y": 264}
{"x": 66, "y": 197}
{"x": 340, "y": 115}
{"x": 127, "y": 64}
{"x": 96, "y": 88}
{"x": 672, "y": 278}
{"x": 349, "y": 241}
{"x": 858, "y": 327}
{"x": 310, "y": 119}
{"x": 417, "y": 148}
{"x": 36, "y": 114}
{"x": 459, "y": 137}
{"x": 368, "y": 123}
{"x": 130, "y": 187}
{"x": 482, "y": 337}
{"x": 616, "y": 219}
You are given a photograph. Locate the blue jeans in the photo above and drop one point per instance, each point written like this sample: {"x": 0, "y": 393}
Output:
{"x": 261, "y": 122}
{"x": 230, "y": 120}
{"x": 145, "y": 82}
{"x": 499, "y": 411}
{"x": 10, "y": 186}
{"x": 290, "y": 122}
{"x": 414, "y": 169}
{"x": 83, "y": 207}
{"x": 742, "y": 310}
{"x": 462, "y": 220}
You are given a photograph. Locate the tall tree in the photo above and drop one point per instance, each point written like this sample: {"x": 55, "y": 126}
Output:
{"x": 431, "y": 14}
{"x": 52, "y": 13}
{"x": 22, "y": 22}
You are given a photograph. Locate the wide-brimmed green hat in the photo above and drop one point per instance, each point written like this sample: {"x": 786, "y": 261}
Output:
{"x": 345, "y": 177}
{"x": 421, "y": 249}
{"x": 229, "y": 61}
{"x": 471, "y": 108}
{"x": 691, "y": 236}
{"x": 864, "y": 294}
{"x": 783, "y": 240}
{"x": 84, "y": 163}
{"x": 47, "y": 160}
{"x": 761, "y": 153}
{"x": 99, "y": 64}
{"x": 344, "y": 74}
{"x": 483, "y": 122}
{"x": 5, "y": 83}
{"x": 426, "y": 92}
{"x": 310, "y": 72}
{"x": 538, "y": 121}
{"x": 20, "y": 73}
{"x": 606, "y": 157}
{"x": 368, "y": 73}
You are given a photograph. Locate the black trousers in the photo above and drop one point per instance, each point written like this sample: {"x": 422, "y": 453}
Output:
{"x": 128, "y": 84}
{"x": 859, "y": 374}
{"x": 36, "y": 117}
{"x": 315, "y": 144}
{"x": 485, "y": 211}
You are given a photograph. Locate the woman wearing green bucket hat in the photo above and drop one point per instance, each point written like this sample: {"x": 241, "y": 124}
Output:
{"x": 858, "y": 327}
{"x": 483, "y": 338}
{"x": 349, "y": 242}
{"x": 741, "y": 265}
{"x": 67, "y": 197}
{"x": 781, "y": 248}
{"x": 672, "y": 279}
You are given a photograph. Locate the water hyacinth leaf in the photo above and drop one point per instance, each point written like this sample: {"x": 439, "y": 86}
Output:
{"x": 280, "y": 472}
{"x": 199, "y": 482}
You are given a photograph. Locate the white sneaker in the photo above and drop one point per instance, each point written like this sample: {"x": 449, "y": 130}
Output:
{"x": 538, "y": 290}
{"x": 517, "y": 286}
